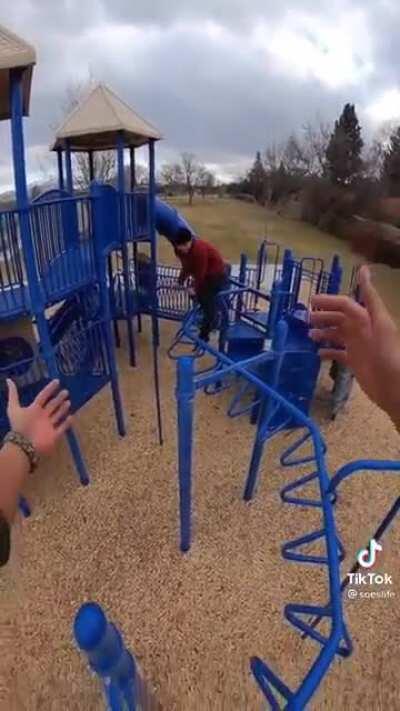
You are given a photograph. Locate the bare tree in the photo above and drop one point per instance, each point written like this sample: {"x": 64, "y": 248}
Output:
{"x": 205, "y": 180}
{"x": 375, "y": 152}
{"x": 104, "y": 162}
{"x": 273, "y": 157}
{"x": 315, "y": 143}
{"x": 190, "y": 168}
{"x": 172, "y": 177}
{"x": 294, "y": 158}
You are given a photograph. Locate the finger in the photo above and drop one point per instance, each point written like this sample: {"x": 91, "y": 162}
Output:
{"x": 13, "y": 397}
{"x": 342, "y": 304}
{"x": 326, "y": 318}
{"x": 64, "y": 426}
{"x": 48, "y": 392}
{"x": 55, "y": 402}
{"x": 332, "y": 354}
{"x": 373, "y": 302}
{"x": 61, "y": 413}
{"x": 329, "y": 335}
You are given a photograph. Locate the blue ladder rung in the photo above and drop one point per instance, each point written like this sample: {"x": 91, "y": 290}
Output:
{"x": 234, "y": 410}
{"x": 296, "y": 485}
{"x": 293, "y": 610}
{"x": 288, "y": 550}
{"x": 285, "y": 457}
{"x": 266, "y": 678}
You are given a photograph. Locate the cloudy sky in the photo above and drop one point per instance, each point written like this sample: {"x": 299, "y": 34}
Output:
{"x": 220, "y": 78}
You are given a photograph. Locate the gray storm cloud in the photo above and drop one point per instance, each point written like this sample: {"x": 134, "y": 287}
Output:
{"x": 207, "y": 73}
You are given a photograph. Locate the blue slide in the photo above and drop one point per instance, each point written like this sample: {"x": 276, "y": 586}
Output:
{"x": 169, "y": 221}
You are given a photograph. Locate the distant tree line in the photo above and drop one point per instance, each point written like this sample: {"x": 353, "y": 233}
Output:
{"x": 336, "y": 155}
{"x": 335, "y": 176}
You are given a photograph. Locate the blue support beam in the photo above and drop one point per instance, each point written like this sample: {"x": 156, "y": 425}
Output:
{"x": 154, "y": 305}
{"x": 124, "y": 246}
{"x": 185, "y": 392}
{"x": 103, "y": 200}
{"x": 60, "y": 167}
{"x": 68, "y": 168}
{"x": 37, "y": 299}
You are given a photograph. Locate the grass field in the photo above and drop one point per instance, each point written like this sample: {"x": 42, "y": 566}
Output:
{"x": 237, "y": 227}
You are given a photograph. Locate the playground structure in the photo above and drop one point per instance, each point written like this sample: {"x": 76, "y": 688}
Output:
{"x": 71, "y": 270}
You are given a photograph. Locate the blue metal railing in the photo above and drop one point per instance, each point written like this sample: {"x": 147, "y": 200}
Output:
{"x": 137, "y": 215}
{"x": 62, "y": 234}
{"x": 14, "y": 297}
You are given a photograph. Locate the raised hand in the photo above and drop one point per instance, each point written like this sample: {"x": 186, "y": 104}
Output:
{"x": 45, "y": 420}
{"x": 365, "y": 338}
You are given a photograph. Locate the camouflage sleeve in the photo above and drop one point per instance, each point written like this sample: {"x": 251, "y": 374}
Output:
{"x": 5, "y": 540}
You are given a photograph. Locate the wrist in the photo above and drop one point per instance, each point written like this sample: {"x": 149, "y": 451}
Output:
{"x": 24, "y": 446}
{"x": 18, "y": 455}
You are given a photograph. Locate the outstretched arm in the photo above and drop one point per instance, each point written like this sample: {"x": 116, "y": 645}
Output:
{"x": 365, "y": 338}
{"x": 42, "y": 424}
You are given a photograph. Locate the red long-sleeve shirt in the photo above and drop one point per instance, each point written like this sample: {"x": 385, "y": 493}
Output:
{"x": 201, "y": 262}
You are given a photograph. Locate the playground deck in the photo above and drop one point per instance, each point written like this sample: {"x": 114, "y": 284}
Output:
{"x": 193, "y": 628}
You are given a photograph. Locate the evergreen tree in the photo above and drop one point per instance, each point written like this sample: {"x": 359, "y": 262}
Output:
{"x": 343, "y": 154}
{"x": 257, "y": 179}
{"x": 391, "y": 165}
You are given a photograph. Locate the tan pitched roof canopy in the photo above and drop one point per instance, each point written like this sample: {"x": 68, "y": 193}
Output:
{"x": 96, "y": 121}
{"x": 14, "y": 53}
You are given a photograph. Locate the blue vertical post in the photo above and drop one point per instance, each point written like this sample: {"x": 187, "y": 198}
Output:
{"x": 68, "y": 167}
{"x": 262, "y": 261}
{"x": 242, "y": 281}
{"x": 185, "y": 392}
{"x": 124, "y": 246}
{"x": 335, "y": 276}
{"x": 108, "y": 657}
{"x": 101, "y": 196}
{"x": 154, "y": 304}
{"x": 91, "y": 166}
{"x": 60, "y": 166}
{"x": 266, "y": 410}
{"x": 132, "y": 164}
{"x": 37, "y": 300}
{"x": 287, "y": 275}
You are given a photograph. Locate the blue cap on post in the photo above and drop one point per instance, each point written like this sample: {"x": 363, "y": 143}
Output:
{"x": 89, "y": 626}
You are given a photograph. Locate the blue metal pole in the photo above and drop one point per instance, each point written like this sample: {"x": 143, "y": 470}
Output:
{"x": 154, "y": 305}
{"x": 99, "y": 201}
{"x": 266, "y": 410}
{"x": 185, "y": 392}
{"x": 91, "y": 166}
{"x": 287, "y": 274}
{"x": 335, "y": 276}
{"x": 37, "y": 301}
{"x": 113, "y": 697}
{"x": 107, "y": 654}
{"x": 242, "y": 280}
{"x": 68, "y": 167}
{"x": 124, "y": 246}
{"x": 17, "y": 137}
{"x": 60, "y": 169}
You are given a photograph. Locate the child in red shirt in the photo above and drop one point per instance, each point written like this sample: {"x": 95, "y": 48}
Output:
{"x": 204, "y": 263}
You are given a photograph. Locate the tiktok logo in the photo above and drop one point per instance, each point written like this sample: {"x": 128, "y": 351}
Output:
{"x": 367, "y": 556}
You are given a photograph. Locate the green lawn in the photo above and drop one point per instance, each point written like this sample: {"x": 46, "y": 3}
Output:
{"x": 237, "y": 227}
